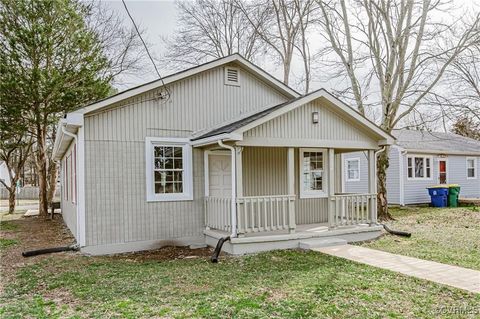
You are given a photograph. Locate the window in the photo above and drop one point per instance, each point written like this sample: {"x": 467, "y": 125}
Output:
{"x": 169, "y": 169}
{"x": 353, "y": 169}
{"x": 232, "y": 76}
{"x": 471, "y": 167}
{"x": 312, "y": 173}
{"x": 419, "y": 167}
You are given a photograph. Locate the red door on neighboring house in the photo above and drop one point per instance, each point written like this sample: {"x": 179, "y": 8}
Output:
{"x": 442, "y": 171}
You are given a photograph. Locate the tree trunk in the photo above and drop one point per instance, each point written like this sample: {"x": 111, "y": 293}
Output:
{"x": 382, "y": 202}
{"x": 42, "y": 172}
{"x": 52, "y": 173}
{"x": 11, "y": 199}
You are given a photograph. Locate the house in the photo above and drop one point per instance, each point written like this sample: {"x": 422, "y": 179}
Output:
{"x": 4, "y": 176}
{"x": 420, "y": 159}
{"x": 221, "y": 149}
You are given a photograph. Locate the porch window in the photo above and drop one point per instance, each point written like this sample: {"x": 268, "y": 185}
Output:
{"x": 353, "y": 169}
{"x": 471, "y": 167}
{"x": 169, "y": 163}
{"x": 419, "y": 167}
{"x": 312, "y": 173}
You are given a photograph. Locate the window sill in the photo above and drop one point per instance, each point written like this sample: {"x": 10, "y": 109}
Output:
{"x": 318, "y": 195}
{"x": 177, "y": 198}
{"x": 353, "y": 180}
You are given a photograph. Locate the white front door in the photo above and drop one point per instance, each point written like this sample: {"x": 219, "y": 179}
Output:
{"x": 220, "y": 175}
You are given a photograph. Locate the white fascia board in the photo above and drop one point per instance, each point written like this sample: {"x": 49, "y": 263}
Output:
{"x": 214, "y": 139}
{"x": 387, "y": 139}
{"x": 187, "y": 73}
{"x": 434, "y": 152}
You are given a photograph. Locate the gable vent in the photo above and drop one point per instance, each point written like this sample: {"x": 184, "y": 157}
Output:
{"x": 232, "y": 76}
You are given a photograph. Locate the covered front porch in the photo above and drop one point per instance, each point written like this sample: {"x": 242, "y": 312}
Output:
{"x": 273, "y": 179}
{"x": 283, "y": 196}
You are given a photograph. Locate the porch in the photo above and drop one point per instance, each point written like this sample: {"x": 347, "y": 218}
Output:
{"x": 279, "y": 201}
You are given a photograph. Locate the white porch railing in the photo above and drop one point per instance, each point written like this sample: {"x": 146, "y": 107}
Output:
{"x": 353, "y": 209}
{"x": 218, "y": 213}
{"x": 265, "y": 213}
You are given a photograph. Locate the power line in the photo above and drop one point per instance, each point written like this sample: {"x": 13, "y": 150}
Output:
{"x": 146, "y": 48}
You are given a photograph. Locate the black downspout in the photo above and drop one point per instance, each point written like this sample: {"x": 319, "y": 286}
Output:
{"x": 31, "y": 253}
{"x": 396, "y": 232}
{"x": 216, "y": 252}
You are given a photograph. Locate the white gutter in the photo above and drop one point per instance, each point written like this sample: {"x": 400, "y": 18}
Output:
{"x": 234, "y": 187}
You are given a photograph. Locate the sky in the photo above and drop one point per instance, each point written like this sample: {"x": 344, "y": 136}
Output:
{"x": 159, "y": 19}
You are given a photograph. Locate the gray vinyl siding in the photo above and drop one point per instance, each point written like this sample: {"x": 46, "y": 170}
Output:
{"x": 69, "y": 209}
{"x": 265, "y": 173}
{"x": 457, "y": 174}
{"x": 360, "y": 186}
{"x": 415, "y": 190}
{"x": 297, "y": 124}
{"x": 116, "y": 207}
{"x": 393, "y": 175}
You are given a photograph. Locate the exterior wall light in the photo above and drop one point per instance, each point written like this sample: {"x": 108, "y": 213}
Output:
{"x": 315, "y": 117}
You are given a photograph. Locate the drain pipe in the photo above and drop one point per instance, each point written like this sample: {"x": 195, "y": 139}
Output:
{"x": 234, "y": 188}
{"x": 221, "y": 241}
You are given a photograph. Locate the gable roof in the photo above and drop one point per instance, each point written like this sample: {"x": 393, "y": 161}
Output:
{"x": 436, "y": 142}
{"x": 236, "y": 58}
{"x": 263, "y": 116}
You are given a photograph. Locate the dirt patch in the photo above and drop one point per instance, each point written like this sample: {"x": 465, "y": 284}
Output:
{"x": 31, "y": 233}
{"x": 35, "y": 233}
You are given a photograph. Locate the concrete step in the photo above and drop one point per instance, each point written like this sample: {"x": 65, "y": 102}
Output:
{"x": 317, "y": 243}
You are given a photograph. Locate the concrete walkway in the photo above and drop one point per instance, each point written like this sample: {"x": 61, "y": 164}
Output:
{"x": 454, "y": 276}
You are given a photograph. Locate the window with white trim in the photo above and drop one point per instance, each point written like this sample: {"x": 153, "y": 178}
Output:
{"x": 169, "y": 169}
{"x": 352, "y": 166}
{"x": 471, "y": 168}
{"x": 312, "y": 173}
{"x": 419, "y": 167}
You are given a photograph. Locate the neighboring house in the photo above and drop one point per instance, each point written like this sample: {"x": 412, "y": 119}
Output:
{"x": 420, "y": 159}
{"x": 4, "y": 176}
{"x": 228, "y": 150}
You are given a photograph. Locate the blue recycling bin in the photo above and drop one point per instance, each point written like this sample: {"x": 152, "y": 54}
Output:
{"x": 438, "y": 196}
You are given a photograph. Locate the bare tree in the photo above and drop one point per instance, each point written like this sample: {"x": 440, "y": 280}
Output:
{"x": 210, "y": 29}
{"x": 401, "y": 48}
{"x": 282, "y": 25}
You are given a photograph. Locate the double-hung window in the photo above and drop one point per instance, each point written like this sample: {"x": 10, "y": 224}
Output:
{"x": 169, "y": 169}
{"x": 312, "y": 173}
{"x": 471, "y": 168}
{"x": 419, "y": 167}
{"x": 352, "y": 166}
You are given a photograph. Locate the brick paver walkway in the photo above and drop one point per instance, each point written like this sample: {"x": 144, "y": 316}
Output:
{"x": 458, "y": 277}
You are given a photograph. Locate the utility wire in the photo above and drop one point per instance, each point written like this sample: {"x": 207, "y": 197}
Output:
{"x": 146, "y": 48}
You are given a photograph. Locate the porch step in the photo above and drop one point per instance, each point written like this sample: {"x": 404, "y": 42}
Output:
{"x": 317, "y": 243}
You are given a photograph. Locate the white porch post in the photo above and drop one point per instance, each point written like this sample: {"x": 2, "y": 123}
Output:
{"x": 372, "y": 185}
{"x": 239, "y": 185}
{"x": 331, "y": 187}
{"x": 291, "y": 188}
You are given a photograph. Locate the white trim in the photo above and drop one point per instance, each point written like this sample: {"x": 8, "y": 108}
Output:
{"x": 313, "y": 193}
{"x": 475, "y": 167}
{"x": 342, "y": 172}
{"x": 425, "y": 178}
{"x": 356, "y": 159}
{"x": 436, "y": 152}
{"x": 446, "y": 168}
{"x": 81, "y": 218}
{"x": 206, "y": 163}
{"x": 190, "y": 72}
{"x": 214, "y": 139}
{"x": 401, "y": 172}
{"x": 299, "y": 142}
{"x": 386, "y": 138}
{"x": 187, "y": 184}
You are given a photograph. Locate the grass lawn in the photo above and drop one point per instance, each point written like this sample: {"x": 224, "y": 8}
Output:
{"x": 168, "y": 283}
{"x": 450, "y": 236}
